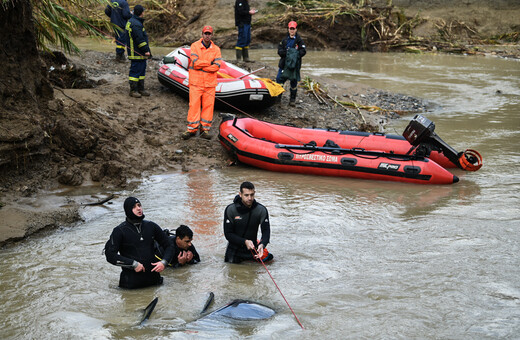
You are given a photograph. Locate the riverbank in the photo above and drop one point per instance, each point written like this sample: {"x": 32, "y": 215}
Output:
{"x": 98, "y": 135}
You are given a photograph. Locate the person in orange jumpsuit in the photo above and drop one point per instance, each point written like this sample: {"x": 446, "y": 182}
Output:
{"x": 204, "y": 64}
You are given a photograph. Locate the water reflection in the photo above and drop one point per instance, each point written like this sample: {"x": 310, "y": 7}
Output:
{"x": 202, "y": 217}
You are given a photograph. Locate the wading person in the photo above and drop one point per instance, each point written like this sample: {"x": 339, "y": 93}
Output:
{"x": 204, "y": 64}
{"x": 131, "y": 246}
{"x": 184, "y": 251}
{"x": 119, "y": 12}
{"x": 291, "y": 50}
{"x": 243, "y": 22}
{"x": 241, "y": 221}
{"x": 138, "y": 52}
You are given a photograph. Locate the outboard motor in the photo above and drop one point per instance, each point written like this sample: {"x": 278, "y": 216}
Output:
{"x": 420, "y": 133}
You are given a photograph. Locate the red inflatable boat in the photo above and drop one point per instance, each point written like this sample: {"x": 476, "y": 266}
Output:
{"x": 343, "y": 153}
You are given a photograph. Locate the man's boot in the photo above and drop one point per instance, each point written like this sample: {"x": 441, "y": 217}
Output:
{"x": 141, "y": 89}
{"x": 134, "y": 90}
{"x": 239, "y": 54}
{"x": 245, "y": 53}
{"x": 292, "y": 100}
{"x": 120, "y": 57}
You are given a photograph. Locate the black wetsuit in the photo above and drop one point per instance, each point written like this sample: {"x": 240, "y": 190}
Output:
{"x": 131, "y": 242}
{"x": 177, "y": 251}
{"x": 159, "y": 251}
{"x": 240, "y": 224}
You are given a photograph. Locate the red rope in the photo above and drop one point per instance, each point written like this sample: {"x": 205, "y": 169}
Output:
{"x": 260, "y": 260}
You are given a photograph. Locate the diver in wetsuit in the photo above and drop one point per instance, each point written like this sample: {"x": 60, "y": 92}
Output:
{"x": 184, "y": 251}
{"x": 241, "y": 221}
{"x": 131, "y": 246}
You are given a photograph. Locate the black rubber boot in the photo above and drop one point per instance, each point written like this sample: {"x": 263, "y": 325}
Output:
{"x": 245, "y": 53}
{"x": 239, "y": 54}
{"x": 134, "y": 89}
{"x": 292, "y": 101}
{"x": 141, "y": 89}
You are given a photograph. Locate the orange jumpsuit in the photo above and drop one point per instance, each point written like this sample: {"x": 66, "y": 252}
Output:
{"x": 204, "y": 65}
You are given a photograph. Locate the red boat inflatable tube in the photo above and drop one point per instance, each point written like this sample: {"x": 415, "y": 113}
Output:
{"x": 329, "y": 153}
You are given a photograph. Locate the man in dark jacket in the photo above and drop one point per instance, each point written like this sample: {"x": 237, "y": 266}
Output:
{"x": 119, "y": 12}
{"x": 131, "y": 246}
{"x": 241, "y": 221}
{"x": 138, "y": 52}
{"x": 243, "y": 21}
{"x": 184, "y": 251}
{"x": 291, "y": 50}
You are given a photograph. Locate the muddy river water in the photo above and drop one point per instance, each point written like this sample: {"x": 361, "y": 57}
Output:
{"x": 355, "y": 259}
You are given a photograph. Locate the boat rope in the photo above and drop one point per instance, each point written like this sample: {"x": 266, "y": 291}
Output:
{"x": 239, "y": 110}
{"x": 262, "y": 262}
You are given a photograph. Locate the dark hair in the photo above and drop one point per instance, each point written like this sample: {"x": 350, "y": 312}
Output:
{"x": 138, "y": 10}
{"x": 183, "y": 231}
{"x": 247, "y": 185}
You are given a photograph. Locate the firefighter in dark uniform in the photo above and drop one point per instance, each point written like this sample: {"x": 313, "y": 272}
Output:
{"x": 243, "y": 21}
{"x": 119, "y": 12}
{"x": 241, "y": 221}
{"x": 131, "y": 246}
{"x": 138, "y": 52}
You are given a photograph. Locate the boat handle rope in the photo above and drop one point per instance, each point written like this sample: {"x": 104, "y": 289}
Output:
{"x": 360, "y": 152}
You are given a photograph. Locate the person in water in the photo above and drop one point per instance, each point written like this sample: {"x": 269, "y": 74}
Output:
{"x": 241, "y": 221}
{"x": 131, "y": 246}
{"x": 184, "y": 251}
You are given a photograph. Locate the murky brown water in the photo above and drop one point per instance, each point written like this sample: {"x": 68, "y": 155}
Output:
{"x": 355, "y": 259}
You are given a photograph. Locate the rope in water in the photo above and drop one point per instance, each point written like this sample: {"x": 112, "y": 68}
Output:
{"x": 268, "y": 272}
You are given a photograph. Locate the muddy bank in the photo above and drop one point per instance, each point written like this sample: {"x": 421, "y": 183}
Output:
{"x": 94, "y": 133}
{"x": 371, "y": 25}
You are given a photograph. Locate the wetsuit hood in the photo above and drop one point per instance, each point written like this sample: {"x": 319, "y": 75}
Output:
{"x": 129, "y": 205}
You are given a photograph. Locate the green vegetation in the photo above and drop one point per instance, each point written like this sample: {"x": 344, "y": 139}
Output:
{"x": 54, "y": 22}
